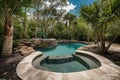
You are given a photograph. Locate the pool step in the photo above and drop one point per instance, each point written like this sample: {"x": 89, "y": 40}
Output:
{"x": 38, "y": 60}
{"x": 60, "y": 59}
{"x": 89, "y": 61}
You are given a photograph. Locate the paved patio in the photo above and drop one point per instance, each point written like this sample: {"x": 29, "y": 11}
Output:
{"x": 107, "y": 70}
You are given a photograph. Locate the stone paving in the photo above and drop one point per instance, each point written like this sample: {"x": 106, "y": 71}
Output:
{"x": 115, "y": 47}
{"x": 107, "y": 70}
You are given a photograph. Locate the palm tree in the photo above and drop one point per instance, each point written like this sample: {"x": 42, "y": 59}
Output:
{"x": 69, "y": 18}
{"x": 8, "y": 9}
{"x": 100, "y": 14}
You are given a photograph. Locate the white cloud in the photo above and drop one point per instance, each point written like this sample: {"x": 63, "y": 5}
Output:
{"x": 28, "y": 13}
{"x": 69, "y": 7}
{"x": 59, "y": 8}
{"x": 47, "y": 3}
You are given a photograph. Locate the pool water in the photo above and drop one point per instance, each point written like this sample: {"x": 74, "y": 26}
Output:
{"x": 64, "y": 59}
{"x": 62, "y": 49}
{"x": 64, "y": 66}
{"x": 73, "y": 63}
{"x": 72, "y": 66}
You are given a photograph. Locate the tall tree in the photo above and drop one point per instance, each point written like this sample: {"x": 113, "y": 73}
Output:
{"x": 48, "y": 13}
{"x": 69, "y": 18}
{"x": 100, "y": 14}
{"x": 8, "y": 9}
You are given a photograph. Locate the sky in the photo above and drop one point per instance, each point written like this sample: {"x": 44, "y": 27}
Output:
{"x": 75, "y": 5}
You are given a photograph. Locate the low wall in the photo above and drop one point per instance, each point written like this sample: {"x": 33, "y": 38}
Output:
{"x": 36, "y": 42}
{"x": 48, "y": 43}
{"x": 44, "y": 43}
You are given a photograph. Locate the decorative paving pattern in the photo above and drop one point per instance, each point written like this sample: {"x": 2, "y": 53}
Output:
{"x": 107, "y": 70}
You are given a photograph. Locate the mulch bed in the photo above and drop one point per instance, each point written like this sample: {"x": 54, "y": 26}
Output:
{"x": 8, "y": 65}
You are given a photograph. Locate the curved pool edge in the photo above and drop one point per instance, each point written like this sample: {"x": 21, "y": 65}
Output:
{"x": 26, "y": 71}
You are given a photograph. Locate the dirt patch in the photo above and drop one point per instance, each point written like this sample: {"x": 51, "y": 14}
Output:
{"x": 8, "y": 67}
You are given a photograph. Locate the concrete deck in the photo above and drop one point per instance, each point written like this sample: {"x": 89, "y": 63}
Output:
{"x": 107, "y": 70}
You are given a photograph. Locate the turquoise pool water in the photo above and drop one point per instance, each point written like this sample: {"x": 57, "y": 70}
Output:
{"x": 62, "y": 49}
{"x": 74, "y": 63}
{"x": 65, "y": 67}
{"x": 63, "y": 58}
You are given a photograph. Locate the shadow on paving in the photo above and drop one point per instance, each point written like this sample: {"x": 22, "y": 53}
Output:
{"x": 8, "y": 67}
{"x": 114, "y": 57}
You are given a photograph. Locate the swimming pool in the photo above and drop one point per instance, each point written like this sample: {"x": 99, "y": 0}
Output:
{"x": 62, "y": 49}
{"x": 72, "y": 63}
{"x": 63, "y": 58}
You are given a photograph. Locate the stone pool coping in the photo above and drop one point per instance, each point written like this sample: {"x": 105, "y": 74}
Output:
{"x": 107, "y": 70}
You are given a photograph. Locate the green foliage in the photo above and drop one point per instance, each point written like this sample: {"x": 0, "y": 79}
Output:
{"x": 59, "y": 27}
{"x": 70, "y": 17}
{"x": 1, "y": 34}
{"x": 18, "y": 30}
{"x": 114, "y": 29}
{"x": 1, "y": 28}
{"x": 32, "y": 29}
{"x": 100, "y": 15}
{"x": 81, "y": 27}
{"x": 10, "y": 7}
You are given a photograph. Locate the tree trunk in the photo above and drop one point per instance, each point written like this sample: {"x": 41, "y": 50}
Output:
{"x": 102, "y": 42}
{"x": 102, "y": 46}
{"x": 8, "y": 39}
{"x": 66, "y": 32}
{"x": 25, "y": 30}
{"x": 107, "y": 48}
{"x": 25, "y": 25}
